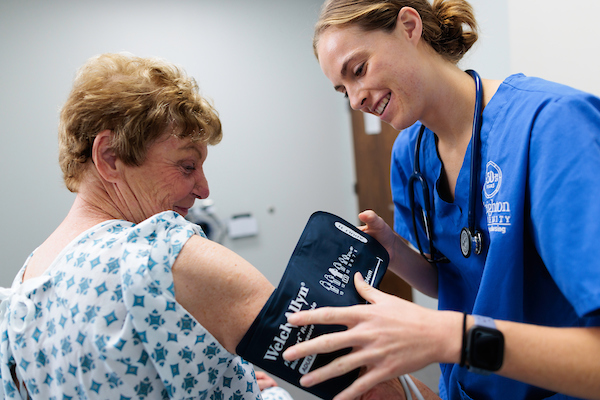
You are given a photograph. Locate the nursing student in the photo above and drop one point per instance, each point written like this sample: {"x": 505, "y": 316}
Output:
{"x": 496, "y": 191}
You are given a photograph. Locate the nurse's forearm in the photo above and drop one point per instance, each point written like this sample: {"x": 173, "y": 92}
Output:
{"x": 564, "y": 360}
{"x": 408, "y": 264}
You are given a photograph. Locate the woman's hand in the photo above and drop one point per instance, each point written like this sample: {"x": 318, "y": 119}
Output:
{"x": 389, "y": 337}
{"x": 389, "y": 390}
{"x": 392, "y": 389}
{"x": 264, "y": 380}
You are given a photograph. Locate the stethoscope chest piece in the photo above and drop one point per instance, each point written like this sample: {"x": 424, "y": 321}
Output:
{"x": 470, "y": 242}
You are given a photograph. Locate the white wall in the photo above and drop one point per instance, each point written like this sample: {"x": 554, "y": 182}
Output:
{"x": 491, "y": 53}
{"x": 283, "y": 124}
{"x": 286, "y": 143}
{"x": 557, "y": 40}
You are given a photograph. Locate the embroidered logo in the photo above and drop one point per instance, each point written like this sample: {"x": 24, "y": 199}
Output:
{"x": 493, "y": 179}
{"x": 498, "y": 212}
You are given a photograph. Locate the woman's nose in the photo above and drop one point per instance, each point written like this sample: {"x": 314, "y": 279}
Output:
{"x": 201, "y": 188}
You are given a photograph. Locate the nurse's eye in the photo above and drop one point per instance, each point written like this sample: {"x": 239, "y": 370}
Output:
{"x": 359, "y": 71}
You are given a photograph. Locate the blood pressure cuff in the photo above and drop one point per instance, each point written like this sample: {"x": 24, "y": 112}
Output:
{"x": 320, "y": 273}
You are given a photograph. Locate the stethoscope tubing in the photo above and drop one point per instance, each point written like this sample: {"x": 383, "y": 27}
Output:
{"x": 475, "y": 149}
{"x": 470, "y": 238}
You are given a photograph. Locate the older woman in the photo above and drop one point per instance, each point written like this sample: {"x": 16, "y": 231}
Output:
{"x": 127, "y": 298}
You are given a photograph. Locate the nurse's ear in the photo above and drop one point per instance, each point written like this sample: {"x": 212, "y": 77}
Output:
{"x": 104, "y": 157}
{"x": 409, "y": 24}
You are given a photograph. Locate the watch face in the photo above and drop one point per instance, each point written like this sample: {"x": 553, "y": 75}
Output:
{"x": 486, "y": 348}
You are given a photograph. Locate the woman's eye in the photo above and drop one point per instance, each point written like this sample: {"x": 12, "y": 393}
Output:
{"x": 189, "y": 168}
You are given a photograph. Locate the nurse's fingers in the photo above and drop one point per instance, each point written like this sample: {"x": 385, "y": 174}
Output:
{"x": 367, "y": 292}
{"x": 323, "y": 344}
{"x": 347, "y": 316}
{"x": 338, "y": 367}
{"x": 325, "y": 316}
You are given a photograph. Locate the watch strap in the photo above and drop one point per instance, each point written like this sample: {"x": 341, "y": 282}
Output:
{"x": 480, "y": 320}
{"x": 463, "y": 349}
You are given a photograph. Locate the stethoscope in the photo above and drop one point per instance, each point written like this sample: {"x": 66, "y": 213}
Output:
{"x": 470, "y": 237}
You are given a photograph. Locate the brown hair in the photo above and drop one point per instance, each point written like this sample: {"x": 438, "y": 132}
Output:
{"x": 443, "y": 21}
{"x": 138, "y": 99}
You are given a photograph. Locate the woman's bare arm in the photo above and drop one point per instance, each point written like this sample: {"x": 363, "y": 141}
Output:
{"x": 220, "y": 289}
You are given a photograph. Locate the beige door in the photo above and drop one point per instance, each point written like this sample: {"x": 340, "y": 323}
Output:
{"x": 372, "y": 153}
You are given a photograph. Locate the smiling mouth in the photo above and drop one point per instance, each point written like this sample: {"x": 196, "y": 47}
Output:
{"x": 382, "y": 105}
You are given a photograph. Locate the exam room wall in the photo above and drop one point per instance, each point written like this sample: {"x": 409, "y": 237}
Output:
{"x": 286, "y": 150}
{"x": 287, "y": 146}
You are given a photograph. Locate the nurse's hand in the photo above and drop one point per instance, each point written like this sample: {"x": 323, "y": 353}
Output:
{"x": 380, "y": 230}
{"x": 389, "y": 337}
{"x": 405, "y": 261}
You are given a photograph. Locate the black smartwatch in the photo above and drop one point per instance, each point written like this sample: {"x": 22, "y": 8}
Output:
{"x": 484, "y": 347}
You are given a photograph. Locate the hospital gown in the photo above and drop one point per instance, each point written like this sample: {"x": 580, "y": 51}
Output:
{"x": 103, "y": 323}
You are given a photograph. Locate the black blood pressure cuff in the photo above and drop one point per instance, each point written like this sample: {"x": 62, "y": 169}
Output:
{"x": 320, "y": 273}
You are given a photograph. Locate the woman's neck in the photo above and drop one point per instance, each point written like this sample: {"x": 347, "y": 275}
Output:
{"x": 88, "y": 210}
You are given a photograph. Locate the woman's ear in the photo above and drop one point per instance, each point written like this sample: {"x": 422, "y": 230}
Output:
{"x": 104, "y": 157}
{"x": 410, "y": 23}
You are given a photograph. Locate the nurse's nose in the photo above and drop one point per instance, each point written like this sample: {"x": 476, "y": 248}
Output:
{"x": 357, "y": 100}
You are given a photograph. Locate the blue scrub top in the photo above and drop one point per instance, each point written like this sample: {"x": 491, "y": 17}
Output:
{"x": 538, "y": 210}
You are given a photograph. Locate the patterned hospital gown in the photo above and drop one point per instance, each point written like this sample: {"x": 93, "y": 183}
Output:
{"x": 102, "y": 323}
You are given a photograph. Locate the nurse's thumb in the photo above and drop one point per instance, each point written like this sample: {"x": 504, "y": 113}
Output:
{"x": 370, "y": 219}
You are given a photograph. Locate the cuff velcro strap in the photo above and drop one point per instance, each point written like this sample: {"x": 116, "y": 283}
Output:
{"x": 320, "y": 273}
